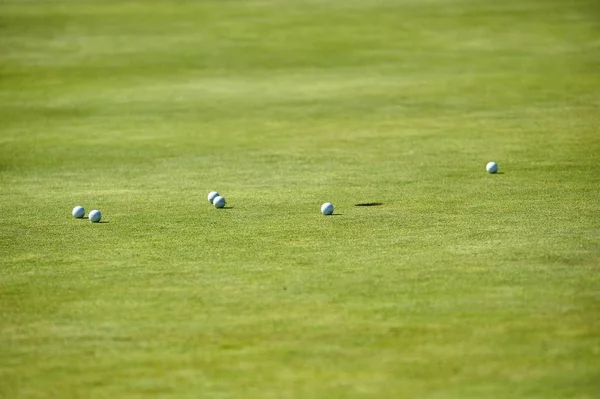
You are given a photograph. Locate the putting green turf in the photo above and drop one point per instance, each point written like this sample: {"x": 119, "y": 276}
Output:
{"x": 461, "y": 285}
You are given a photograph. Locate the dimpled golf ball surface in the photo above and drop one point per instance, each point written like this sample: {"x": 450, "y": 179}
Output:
{"x": 219, "y": 202}
{"x": 95, "y": 216}
{"x": 491, "y": 167}
{"x": 212, "y": 195}
{"x": 78, "y": 212}
{"x": 327, "y": 208}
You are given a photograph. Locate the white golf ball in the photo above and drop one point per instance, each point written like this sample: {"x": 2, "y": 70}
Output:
{"x": 219, "y": 202}
{"x": 78, "y": 212}
{"x": 491, "y": 167}
{"x": 212, "y": 195}
{"x": 95, "y": 216}
{"x": 327, "y": 208}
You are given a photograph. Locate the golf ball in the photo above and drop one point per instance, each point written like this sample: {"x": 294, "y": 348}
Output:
{"x": 327, "y": 208}
{"x": 78, "y": 212}
{"x": 491, "y": 167}
{"x": 95, "y": 216}
{"x": 212, "y": 195}
{"x": 219, "y": 202}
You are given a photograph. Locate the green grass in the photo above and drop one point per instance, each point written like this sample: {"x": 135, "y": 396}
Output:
{"x": 461, "y": 285}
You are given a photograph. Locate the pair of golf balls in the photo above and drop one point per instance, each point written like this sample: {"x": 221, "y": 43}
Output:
{"x": 79, "y": 212}
{"x": 217, "y": 200}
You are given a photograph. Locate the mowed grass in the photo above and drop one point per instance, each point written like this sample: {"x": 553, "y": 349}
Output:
{"x": 461, "y": 285}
